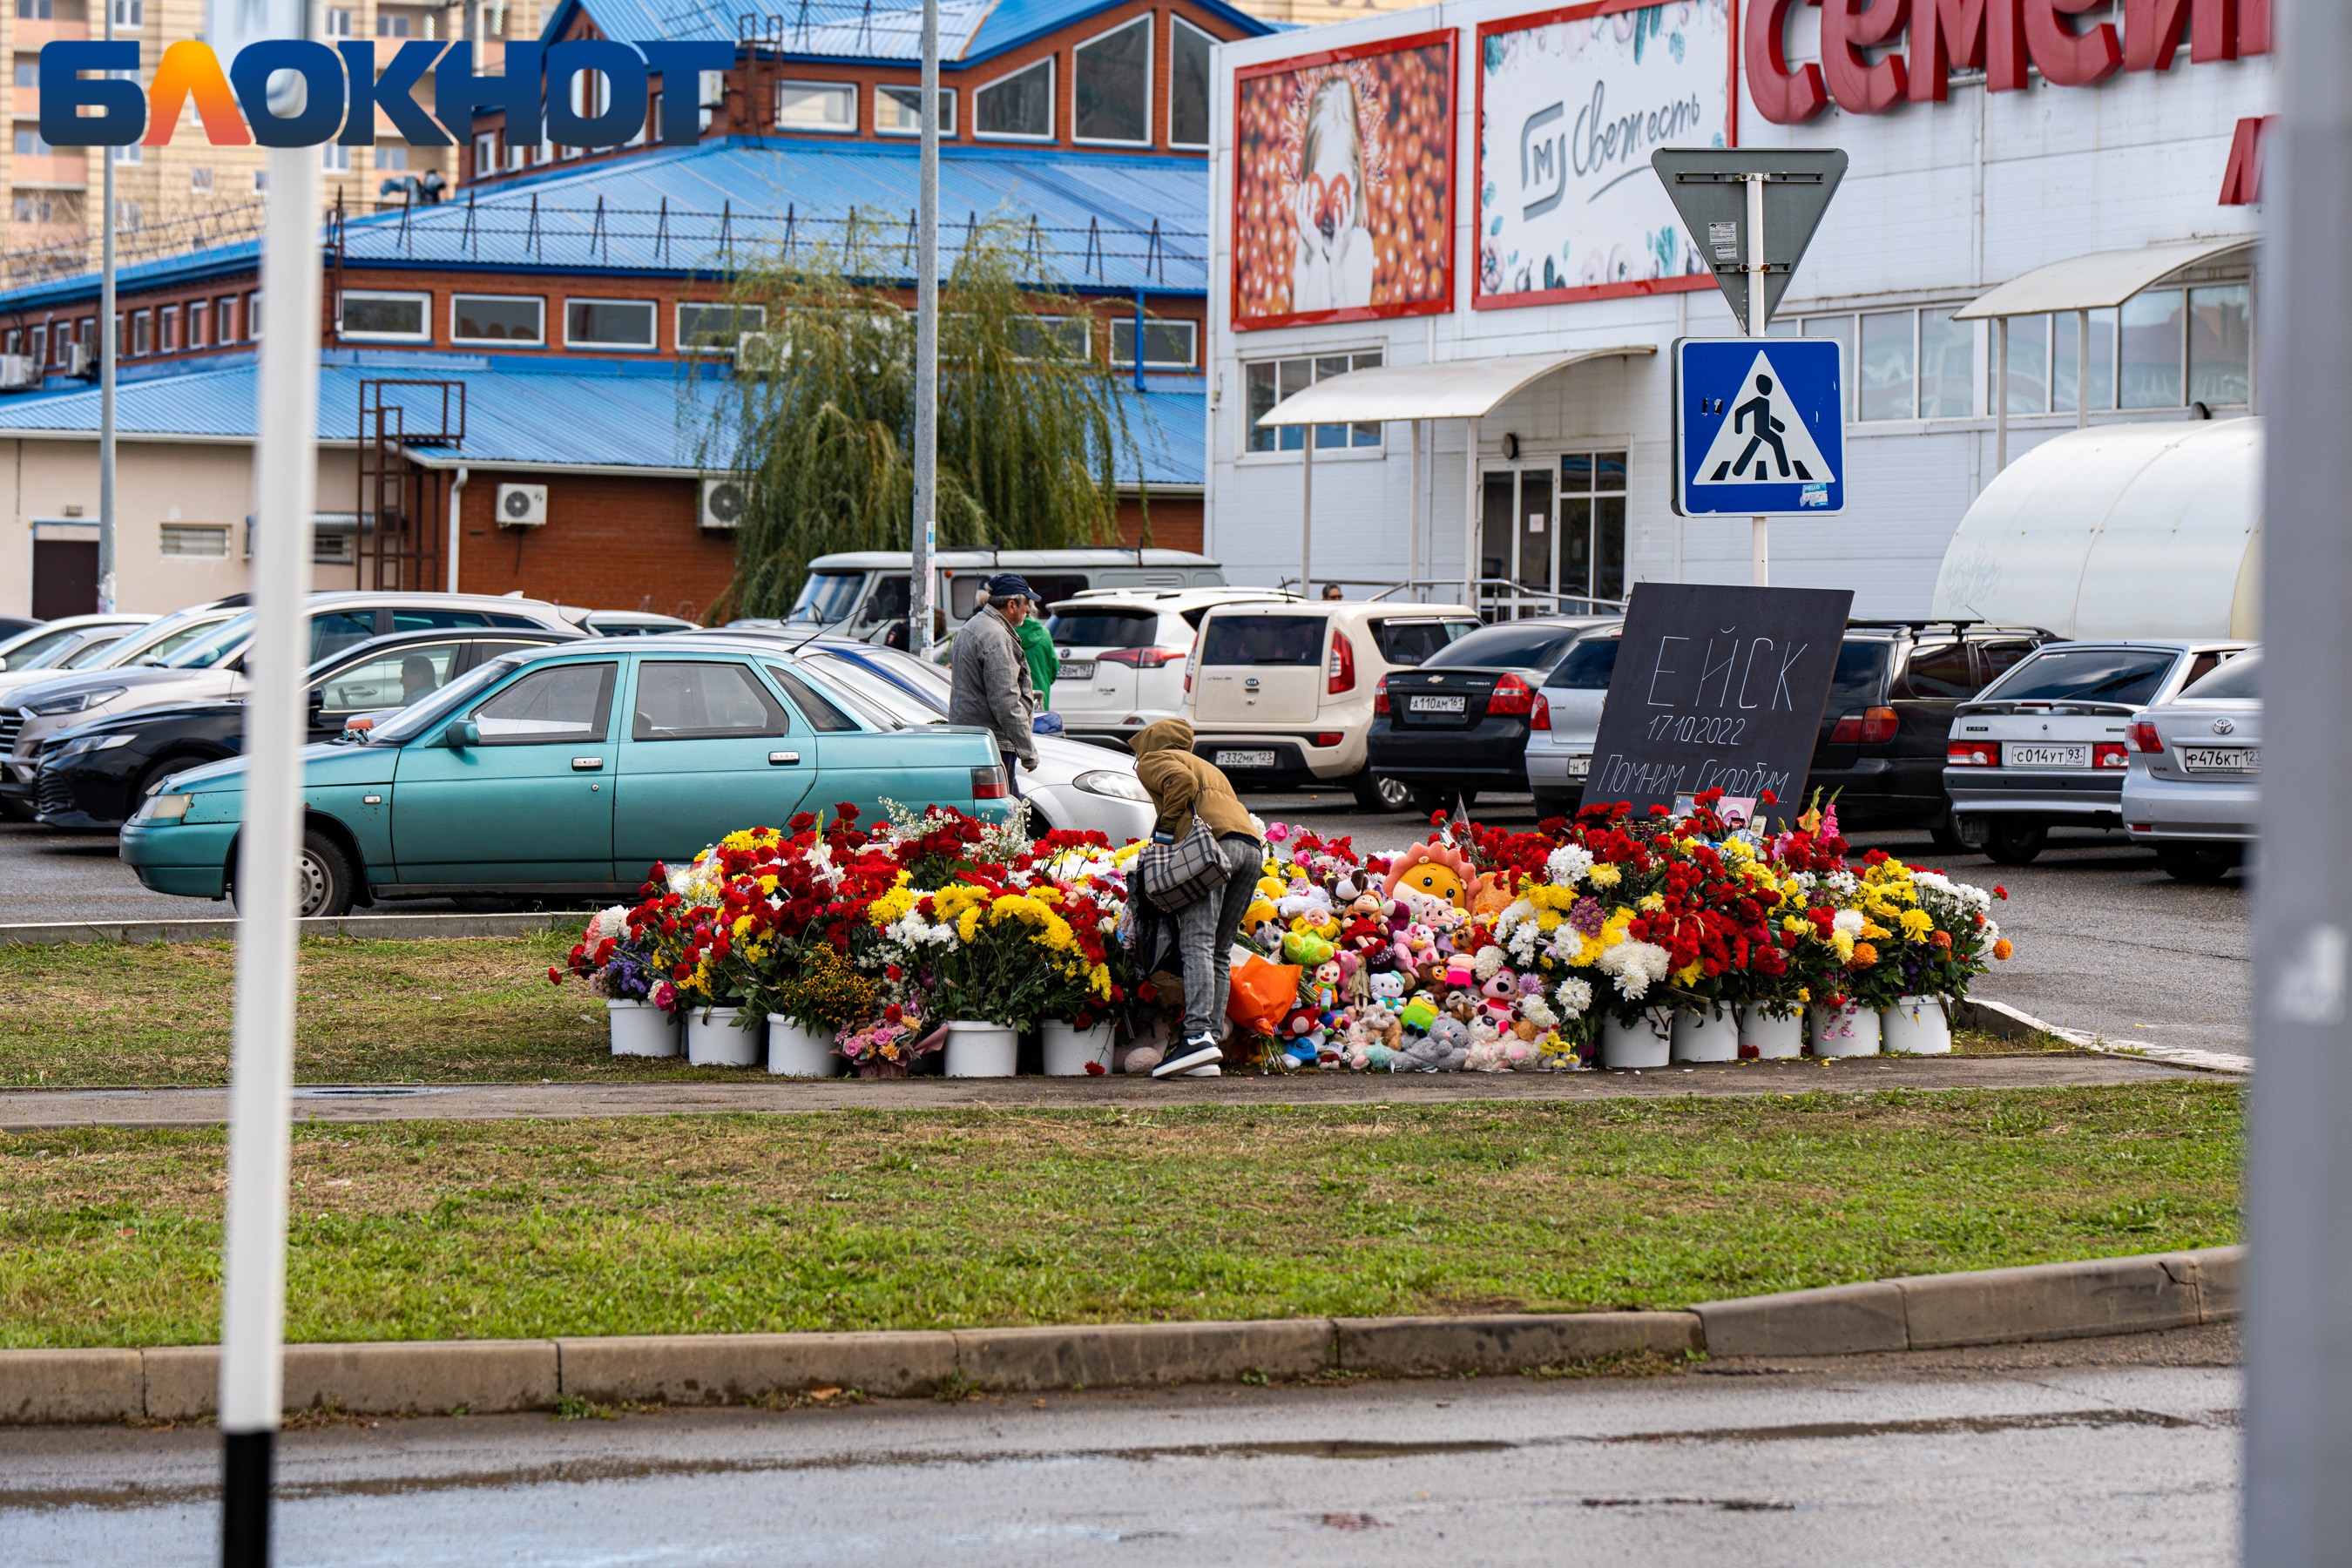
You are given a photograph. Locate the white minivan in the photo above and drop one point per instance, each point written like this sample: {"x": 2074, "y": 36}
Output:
{"x": 862, "y": 593}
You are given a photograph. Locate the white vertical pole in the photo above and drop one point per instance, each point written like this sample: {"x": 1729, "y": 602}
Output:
{"x": 2298, "y": 1511}
{"x": 107, "y": 348}
{"x": 1470, "y": 522}
{"x": 1759, "y": 529}
{"x": 2082, "y": 368}
{"x": 1306, "y": 517}
{"x": 261, "y": 1076}
{"x": 2000, "y": 397}
{"x": 927, "y": 347}
{"x": 1412, "y": 511}
{"x": 457, "y": 495}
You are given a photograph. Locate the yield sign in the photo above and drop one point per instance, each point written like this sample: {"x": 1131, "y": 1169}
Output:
{"x": 1709, "y": 188}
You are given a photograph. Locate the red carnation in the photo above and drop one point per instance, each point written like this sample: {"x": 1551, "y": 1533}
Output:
{"x": 554, "y": 977}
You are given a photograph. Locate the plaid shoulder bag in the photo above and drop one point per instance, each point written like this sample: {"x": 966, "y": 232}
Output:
{"x": 1174, "y": 875}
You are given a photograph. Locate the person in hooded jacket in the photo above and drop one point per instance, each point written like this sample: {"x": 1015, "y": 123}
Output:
{"x": 1184, "y": 786}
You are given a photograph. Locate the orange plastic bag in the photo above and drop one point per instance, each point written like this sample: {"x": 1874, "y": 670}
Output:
{"x": 1261, "y": 993}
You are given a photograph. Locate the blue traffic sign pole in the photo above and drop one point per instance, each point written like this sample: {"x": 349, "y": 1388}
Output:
{"x": 1759, "y": 526}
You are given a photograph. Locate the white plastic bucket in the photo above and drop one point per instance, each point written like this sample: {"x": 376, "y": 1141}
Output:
{"x": 1704, "y": 1037}
{"x": 1647, "y": 1042}
{"x": 1069, "y": 1050}
{"x": 1917, "y": 1026}
{"x": 977, "y": 1048}
{"x": 1848, "y": 1031}
{"x": 1772, "y": 1036}
{"x": 640, "y": 1029}
{"x": 712, "y": 1040}
{"x": 797, "y": 1052}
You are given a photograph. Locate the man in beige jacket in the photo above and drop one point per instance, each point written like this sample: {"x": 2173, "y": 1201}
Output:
{"x": 1184, "y": 786}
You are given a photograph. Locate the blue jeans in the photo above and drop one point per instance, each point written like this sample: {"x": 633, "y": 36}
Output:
{"x": 1204, "y": 936}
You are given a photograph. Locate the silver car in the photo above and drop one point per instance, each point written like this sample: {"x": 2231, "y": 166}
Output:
{"x": 1560, "y": 757}
{"x": 2194, "y": 790}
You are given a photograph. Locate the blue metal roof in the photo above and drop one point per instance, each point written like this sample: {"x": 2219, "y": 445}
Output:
{"x": 970, "y": 31}
{"x": 1089, "y": 221}
{"x": 551, "y": 413}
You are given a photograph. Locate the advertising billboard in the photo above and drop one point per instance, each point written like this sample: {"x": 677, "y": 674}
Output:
{"x": 1343, "y": 185}
{"x": 1571, "y": 103}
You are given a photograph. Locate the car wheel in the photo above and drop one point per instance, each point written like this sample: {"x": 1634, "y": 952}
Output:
{"x": 1379, "y": 792}
{"x": 2197, "y": 862}
{"x": 2015, "y": 843}
{"x": 322, "y": 880}
{"x": 1946, "y": 835}
{"x": 1549, "y": 805}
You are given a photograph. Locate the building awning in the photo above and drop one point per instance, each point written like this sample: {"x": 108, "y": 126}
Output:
{"x": 2098, "y": 281}
{"x": 1447, "y": 389}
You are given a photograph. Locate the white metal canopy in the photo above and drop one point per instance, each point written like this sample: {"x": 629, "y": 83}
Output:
{"x": 2097, "y": 281}
{"x": 1446, "y": 389}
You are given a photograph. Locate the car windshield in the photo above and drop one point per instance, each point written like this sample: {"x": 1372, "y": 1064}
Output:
{"x": 1589, "y": 665}
{"x": 2240, "y": 678}
{"x": 215, "y": 646}
{"x": 1511, "y": 645}
{"x": 827, "y": 595}
{"x": 894, "y": 707}
{"x": 1860, "y": 680}
{"x": 1098, "y": 627}
{"x": 1263, "y": 640}
{"x": 1411, "y": 641}
{"x": 430, "y": 711}
{"x": 2087, "y": 675}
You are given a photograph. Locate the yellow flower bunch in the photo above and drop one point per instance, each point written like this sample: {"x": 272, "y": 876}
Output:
{"x": 1915, "y": 924}
{"x": 893, "y": 906}
{"x": 751, "y": 839}
{"x": 1604, "y": 876}
{"x": 1612, "y": 933}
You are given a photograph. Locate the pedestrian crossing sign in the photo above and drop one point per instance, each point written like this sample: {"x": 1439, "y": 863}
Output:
{"x": 1760, "y": 426}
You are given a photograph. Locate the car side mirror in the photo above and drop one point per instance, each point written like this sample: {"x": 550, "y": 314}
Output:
{"x": 465, "y": 732}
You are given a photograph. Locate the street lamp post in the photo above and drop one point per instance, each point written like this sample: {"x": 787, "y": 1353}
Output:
{"x": 927, "y": 349}
{"x": 106, "y": 350}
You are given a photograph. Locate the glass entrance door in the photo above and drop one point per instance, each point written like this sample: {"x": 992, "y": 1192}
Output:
{"x": 1519, "y": 541}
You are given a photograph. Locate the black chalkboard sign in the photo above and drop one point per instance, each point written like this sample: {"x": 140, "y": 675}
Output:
{"x": 1716, "y": 688}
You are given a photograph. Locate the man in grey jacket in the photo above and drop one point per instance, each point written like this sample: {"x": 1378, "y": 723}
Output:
{"x": 990, "y": 685}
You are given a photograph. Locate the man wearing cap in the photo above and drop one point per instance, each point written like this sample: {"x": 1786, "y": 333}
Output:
{"x": 990, "y": 686}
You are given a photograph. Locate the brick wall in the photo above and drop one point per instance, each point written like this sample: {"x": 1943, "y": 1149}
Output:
{"x": 610, "y": 544}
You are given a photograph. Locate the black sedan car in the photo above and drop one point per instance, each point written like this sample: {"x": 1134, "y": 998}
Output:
{"x": 1459, "y": 722}
{"x": 95, "y": 775}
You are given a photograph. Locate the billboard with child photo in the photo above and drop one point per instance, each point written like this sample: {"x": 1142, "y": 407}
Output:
{"x": 1343, "y": 185}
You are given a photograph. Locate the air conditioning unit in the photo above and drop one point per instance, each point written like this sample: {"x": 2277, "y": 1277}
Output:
{"x": 522, "y": 506}
{"x": 81, "y": 361}
{"x": 722, "y": 504}
{"x": 758, "y": 353}
{"x": 18, "y": 373}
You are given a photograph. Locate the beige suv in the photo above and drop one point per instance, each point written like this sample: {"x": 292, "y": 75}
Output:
{"x": 1280, "y": 693}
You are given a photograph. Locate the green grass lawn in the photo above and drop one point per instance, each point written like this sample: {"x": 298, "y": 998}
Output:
{"x": 882, "y": 1220}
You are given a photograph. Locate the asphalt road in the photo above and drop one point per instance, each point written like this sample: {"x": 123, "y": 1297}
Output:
{"x": 2122, "y": 1451}
{"x": 2106, "y": 941}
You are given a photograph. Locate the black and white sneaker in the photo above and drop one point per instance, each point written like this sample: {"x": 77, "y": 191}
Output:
{"x": 1196, "y": 1051}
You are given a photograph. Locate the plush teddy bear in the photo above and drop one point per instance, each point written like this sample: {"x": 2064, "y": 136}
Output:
{"x": 1502, "y": 995}
{"x": 1372, "y": 1058}
{"x": 1486, "y": 1056}
{"x": 1443, "y": 1049}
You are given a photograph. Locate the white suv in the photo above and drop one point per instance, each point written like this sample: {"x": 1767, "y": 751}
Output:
{"x": 1123, "y": 653}
{"x": 1280, "y": 694}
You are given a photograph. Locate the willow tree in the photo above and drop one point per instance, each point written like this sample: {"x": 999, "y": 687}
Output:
{"x": 821, "y": 425}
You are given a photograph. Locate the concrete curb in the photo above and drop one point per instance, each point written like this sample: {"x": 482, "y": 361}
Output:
{"x": 379, "y": 927}
{"x": 1999, "y": 1305}
{"x": 2014, "y": 1024}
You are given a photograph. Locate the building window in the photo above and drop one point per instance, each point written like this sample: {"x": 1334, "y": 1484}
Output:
{"x": 2147, "y": 369}
{"x": 131, "y": 153}
{"x": 1070, "y": 332}
{"x": 1110, "y": 86}
{"x": 391, "y": 157}
{"x": 32, "y": 208}
{"x": 28, "y": 71}
{"x": 715, "y": 329}
{"x": 1188, "y": 84}
{"x": 394, "y": 318}
{"x": 1166, "y": 345}
{"x": 339, "y": 24}
{"x": 36, "y": 345}
{"x": 1020, "y": 105}
{"x": 509, "y": 321}
{"x": 29, "y": 144}
{"x": 1886, "y": 368}
{"x": 824, "y": 106}
{"x": 130, "y": 14}
{"x": 1947, "y": 377}
{"x": 391, "y": 25}
{"x": 608, "y": 324}
{"x": 198, "y": 313}
{"x": 335, "y": 158}
{"x": 200, "y": 179}
{"x": 1592, "y": 524}
{"x": 334, "y": 546}
{"x": 2220, "y": 344}
{"x": 35, "y": 10}
{"x": 167, "y": 329}
{"x": 225, "y": 319}
{"x": 1270, "y": 381}
{"x": 199, "y": 541}
{"x": 142, "y": 332}
{"x": 486, "y": 153}
{"x": 898, "y": 110}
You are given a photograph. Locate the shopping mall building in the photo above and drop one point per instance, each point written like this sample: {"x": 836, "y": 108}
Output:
{"x": 1491, "y": 277}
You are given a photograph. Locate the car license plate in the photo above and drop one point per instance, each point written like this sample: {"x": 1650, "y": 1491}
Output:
{"x": 2222, "y": 759}
{"x": 1077, "y": 669}
{"x": 1245, "y": 759}
{"x": 1435, "y": 704}
{"x": 2017, "y": 754}
{"x": 1579, "y": 767}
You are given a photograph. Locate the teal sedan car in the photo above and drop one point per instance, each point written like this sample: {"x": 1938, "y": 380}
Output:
{"x": 567, "y": 773}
